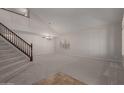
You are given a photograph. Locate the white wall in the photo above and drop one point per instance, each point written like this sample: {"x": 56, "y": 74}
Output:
{"x": 28, "y": 29}
{"x": 40, "y": 45}
{"x": 95, "y": 53}
{"x": 21, "y": 23}
{"x": 14, "y": 21}
{"x": 97, "y": 42}
{"x": 100, "y": 41}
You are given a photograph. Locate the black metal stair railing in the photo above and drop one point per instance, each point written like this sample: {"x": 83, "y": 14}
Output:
{"x": 17, "y": 41}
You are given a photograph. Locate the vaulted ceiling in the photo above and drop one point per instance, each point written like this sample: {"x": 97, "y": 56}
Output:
{"x": 62, "y": 20}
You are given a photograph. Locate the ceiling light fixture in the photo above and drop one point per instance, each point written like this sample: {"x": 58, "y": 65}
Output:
{"x": 48, "y": 36}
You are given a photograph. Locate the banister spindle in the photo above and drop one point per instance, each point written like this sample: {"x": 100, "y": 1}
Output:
{"x": 9, "y": 36}
{"x": 26, "y": 48}
{"x": 7, "y": 33}
{"x": 14, "y": 38}
{"x": 31, "y": 58}
{"x": 17, "y": 41}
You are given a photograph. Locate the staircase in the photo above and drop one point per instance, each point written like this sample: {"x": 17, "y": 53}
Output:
{"x": 14, "y": 57}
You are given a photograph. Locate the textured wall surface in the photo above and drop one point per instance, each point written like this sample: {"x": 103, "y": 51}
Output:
{"x": 99, "y": 42}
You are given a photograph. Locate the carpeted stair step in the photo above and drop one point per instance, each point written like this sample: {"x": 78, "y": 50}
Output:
{"x": 12, "y": 61}
{"x": 13, "y": 58}
{"x": 6, "y": 51}
{"x": 2, "y": 64}
{"x": 10, "y": 56}
{"x": 5, "y": 47}
{"x": 12, "y": 66}
{"x": 4, "y": 78}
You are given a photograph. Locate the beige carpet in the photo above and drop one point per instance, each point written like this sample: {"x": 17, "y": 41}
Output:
{"x": 60, "y": 79}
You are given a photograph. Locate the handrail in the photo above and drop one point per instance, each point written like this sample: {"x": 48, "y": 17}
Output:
{"x": 17, "y": 41}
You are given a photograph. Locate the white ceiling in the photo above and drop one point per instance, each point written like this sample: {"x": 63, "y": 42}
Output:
{"x": 63, "y": 20}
